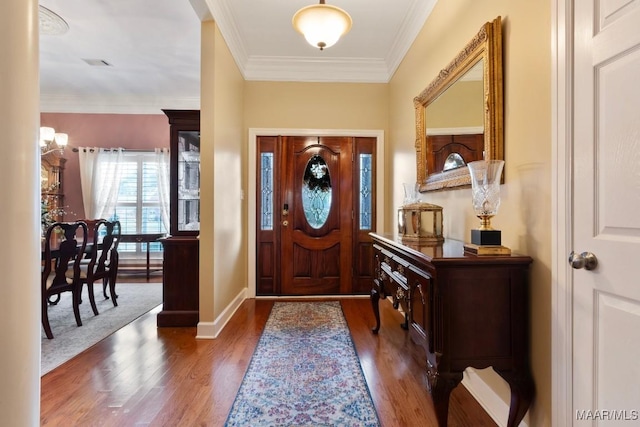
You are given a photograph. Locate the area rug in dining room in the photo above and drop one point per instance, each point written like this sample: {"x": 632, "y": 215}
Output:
{"x": 304, "y": 372}
{"x": 134, "y": 300}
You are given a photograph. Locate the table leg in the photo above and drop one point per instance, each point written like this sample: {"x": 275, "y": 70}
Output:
{"x": 148, "y": 260}
{"x": 522, "y": 391}
{"x": 375, "y": 299}
{"x": 440, "y": 387}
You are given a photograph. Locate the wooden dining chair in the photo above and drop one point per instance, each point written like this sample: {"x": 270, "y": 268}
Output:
{"x": 64, "y": 246}
{"x": 99, "y": 264}
{"x": 112, "y": 265}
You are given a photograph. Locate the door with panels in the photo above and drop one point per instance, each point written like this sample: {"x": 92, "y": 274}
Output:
{"x": 606, "y": 224}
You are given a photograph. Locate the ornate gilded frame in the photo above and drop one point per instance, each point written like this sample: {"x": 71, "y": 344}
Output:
{"x": 486, "y": 45}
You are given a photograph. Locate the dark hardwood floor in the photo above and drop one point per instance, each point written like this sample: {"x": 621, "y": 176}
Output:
{"x": 143, "y": 375}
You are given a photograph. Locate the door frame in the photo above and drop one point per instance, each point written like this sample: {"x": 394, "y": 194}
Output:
{"x": 562, "y": 212}
{"x": 251, "y": 184}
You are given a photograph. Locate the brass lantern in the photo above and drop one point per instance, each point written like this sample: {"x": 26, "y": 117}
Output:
{"x": 420, "y": 222}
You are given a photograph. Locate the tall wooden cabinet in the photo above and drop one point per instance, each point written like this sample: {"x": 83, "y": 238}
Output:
{"x": 180, "y": 279}
{"x": 464, "y": 311}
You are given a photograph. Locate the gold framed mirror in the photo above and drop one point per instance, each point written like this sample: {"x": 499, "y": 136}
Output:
{"x": 459, "y": 116}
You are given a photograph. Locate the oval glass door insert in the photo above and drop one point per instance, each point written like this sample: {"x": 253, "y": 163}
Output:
{"x": 316, "y": 192}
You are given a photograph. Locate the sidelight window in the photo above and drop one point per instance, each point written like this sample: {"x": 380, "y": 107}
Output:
{"x": 365, "y": 191}
{"x": 266, "y": 191}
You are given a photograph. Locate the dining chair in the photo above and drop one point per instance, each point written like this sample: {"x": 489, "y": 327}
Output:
{"x": 113, "y": 262}
{"x": 64, "y": 244}
{"x": 99, "y": 265}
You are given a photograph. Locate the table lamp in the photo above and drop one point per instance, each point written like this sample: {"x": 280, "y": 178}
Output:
{"x": 485, "y": 195}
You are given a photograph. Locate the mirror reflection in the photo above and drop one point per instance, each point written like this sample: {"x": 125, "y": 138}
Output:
{"x": 455, "y": 123}
{"x": 459, "y": 115}
{"x": 454, "y": 161}
{"x": 461, "y": 105}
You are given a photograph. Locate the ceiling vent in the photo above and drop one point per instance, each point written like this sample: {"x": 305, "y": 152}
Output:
{"x": 97, "y": 62}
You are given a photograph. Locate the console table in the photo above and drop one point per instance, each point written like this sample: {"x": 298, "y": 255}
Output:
{"x": 465, "y": 311}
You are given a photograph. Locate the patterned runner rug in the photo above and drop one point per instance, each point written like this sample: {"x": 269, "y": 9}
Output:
{"x": 304, "y": 372}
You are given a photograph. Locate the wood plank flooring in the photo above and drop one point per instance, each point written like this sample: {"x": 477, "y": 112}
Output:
{"x": 148, "y": 376}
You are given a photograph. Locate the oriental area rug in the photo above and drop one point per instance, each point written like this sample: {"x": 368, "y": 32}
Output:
{"x": 69, "y": 340}
{"x": 304, "y": 372}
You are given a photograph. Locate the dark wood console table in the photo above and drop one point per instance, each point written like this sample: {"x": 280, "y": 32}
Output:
{"x": 465, "y": 311}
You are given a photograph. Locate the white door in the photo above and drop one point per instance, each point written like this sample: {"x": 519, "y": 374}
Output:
{"x": 606, "y": 212}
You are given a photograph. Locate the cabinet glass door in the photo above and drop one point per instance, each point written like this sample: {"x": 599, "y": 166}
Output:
{"x": 188, "y": 181}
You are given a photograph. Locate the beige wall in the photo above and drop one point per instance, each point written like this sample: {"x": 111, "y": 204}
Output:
{"x": 223, "y": 251}
{"x": 525, "y": 213}
{"x": 316, "y": 105}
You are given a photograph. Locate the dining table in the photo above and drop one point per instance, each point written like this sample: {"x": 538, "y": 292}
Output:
{"x": 147, "y": 238}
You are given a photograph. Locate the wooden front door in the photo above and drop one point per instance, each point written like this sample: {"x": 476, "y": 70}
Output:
{"x": 315, "y": 209}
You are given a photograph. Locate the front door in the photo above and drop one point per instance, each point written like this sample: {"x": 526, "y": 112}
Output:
{"x": 316, "y": 231}
{"x": 315, "y": 206}
{"x": 606, "y": 206}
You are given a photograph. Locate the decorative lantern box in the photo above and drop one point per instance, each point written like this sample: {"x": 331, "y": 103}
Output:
{"x": 420, "y": 222}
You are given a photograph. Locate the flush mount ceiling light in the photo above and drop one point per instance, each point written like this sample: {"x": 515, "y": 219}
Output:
{"x": 322, "y": 25}
{"x": 50, "y": 23}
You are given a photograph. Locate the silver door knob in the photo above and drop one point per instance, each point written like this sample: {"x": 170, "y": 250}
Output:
{"x": 585, "y": 260}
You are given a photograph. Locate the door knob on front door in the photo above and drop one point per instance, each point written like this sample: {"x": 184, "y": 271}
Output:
{"x": 585, "y": 260}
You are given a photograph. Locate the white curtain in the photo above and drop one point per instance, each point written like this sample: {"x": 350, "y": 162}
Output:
{"x": 100, "y": 171}
{"x": 86, "y": 160}
{"x": 162, "y": 157}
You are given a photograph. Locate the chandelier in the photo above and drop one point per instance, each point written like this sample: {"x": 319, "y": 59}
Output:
{"x": 52, "y": 142}
{"x": 322, "y": 25}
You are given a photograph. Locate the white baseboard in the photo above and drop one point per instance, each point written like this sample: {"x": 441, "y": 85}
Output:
{"x": 492, "y": 393}
{"x": 210, "y": 330}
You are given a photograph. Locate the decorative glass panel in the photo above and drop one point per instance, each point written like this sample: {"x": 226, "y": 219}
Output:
{"x": 316, "y": 192}
{"x": 266, "y": 191}
{"x": 188, "y": 180}
{"x": 365, "y": 191}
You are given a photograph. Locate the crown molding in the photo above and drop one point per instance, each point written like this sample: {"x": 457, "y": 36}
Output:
{"x": 225, "y": 21}
{"x": 115, "y": 104}
{"x": 201, "y": 8}
{"x": 412, "y": 25}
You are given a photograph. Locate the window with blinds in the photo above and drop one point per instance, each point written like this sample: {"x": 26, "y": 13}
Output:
{"x": 138, "y": 205}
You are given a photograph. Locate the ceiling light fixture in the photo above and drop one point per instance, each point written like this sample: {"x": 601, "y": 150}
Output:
{"x": 52, "y": 142}
{"x": 322, "y": 25}
{"x": 50, "y": 23}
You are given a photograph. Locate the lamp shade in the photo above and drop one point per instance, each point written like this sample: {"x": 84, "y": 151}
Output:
{"x": 61, "y": 139}
{"x": 47, "y": 133}
{"x": 322, "y": 25}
